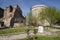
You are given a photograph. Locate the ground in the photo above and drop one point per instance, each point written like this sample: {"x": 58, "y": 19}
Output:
{"x": 44, "y": 38}
{"x": 20, "y": 33}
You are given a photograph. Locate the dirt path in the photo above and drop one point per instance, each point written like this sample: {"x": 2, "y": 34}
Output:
{"x": 13, "y": 37}
{"x": 17, "y": 36}
{"x": 23, "y": 35}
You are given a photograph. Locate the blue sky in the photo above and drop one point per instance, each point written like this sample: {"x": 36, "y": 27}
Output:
{"x": 25, "y": 5}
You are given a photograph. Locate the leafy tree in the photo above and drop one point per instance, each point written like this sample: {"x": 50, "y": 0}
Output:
{"x": 28, "y": 18}
{"x": 32, "y": 20}
{"x": 58, "y": 17}
{"x": 50, "y": 14}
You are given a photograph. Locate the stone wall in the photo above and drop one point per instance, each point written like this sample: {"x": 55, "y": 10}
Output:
{"x": 13, "y": 15}
{"x": 36, "y": 11}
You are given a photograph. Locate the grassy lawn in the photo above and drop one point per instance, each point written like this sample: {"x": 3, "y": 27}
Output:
{"x": 14, "y": 30}
{"x": 58, "y": 32}
{"x": 44, "y": 38}
{"x": 18, "y": 30}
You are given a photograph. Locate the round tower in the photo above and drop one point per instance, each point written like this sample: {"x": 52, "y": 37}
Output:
{"x": 35, "y": 10}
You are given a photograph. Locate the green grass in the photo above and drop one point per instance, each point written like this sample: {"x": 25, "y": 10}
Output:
{"x": 44, "y": 38}
{"x": 58, "y": 32}
{"x": 48, "y": 38}
{"x": 17, "y": 30}
{"x": 13, "y": 30}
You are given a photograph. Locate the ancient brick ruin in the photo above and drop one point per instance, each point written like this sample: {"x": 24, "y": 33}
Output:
{"x": 11, "y": 16}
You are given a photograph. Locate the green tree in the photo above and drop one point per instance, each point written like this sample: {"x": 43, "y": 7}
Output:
{"x": 50, "y": 14}
{"x": 58, "y": 17}
{"x": 32, "y": 20}
{"x": 28, "y": 18}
